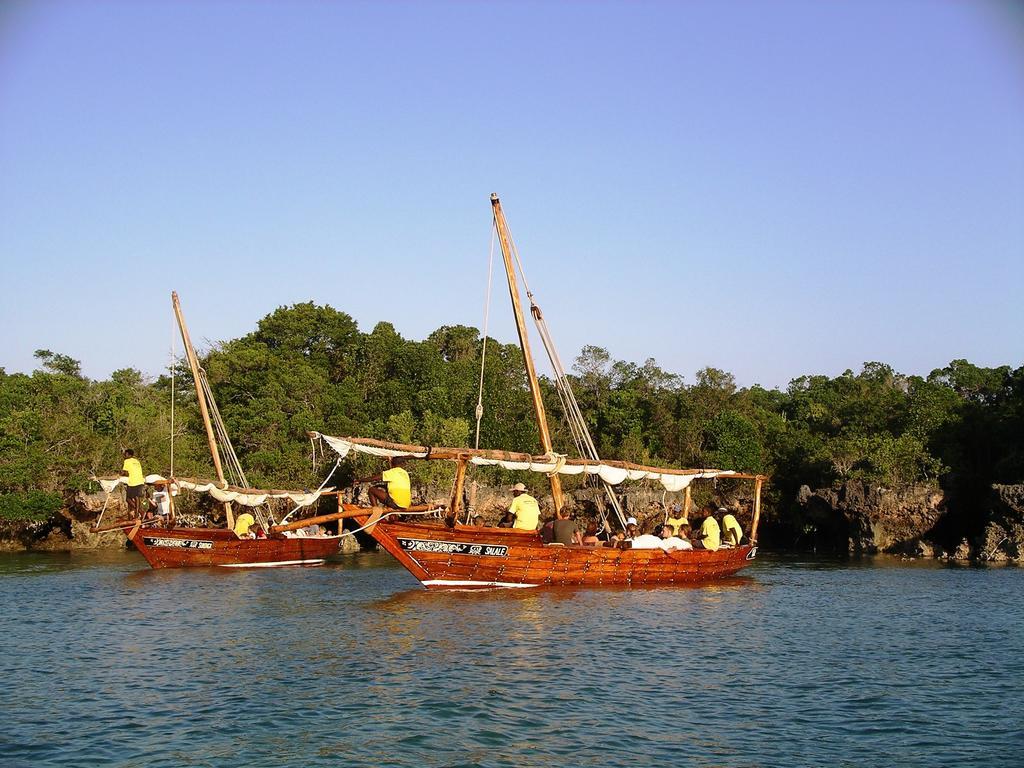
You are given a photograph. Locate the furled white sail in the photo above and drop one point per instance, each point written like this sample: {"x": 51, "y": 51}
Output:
{"x": 247, "y": 498}
{"x": 671, "y": 480}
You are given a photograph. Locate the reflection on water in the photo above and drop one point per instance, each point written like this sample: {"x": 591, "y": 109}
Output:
{"x": 799, "y": 662}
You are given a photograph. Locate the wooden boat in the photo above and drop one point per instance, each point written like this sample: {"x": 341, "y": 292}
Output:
{"x": 449, "y": 555}
{"x": 203, "y": 547}
{"x": 178, "y": 547}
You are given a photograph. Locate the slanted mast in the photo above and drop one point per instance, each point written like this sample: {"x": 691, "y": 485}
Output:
{"x": 524, "y": 342}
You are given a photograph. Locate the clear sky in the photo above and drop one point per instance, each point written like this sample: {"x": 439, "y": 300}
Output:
{"x": 774, "y": 189}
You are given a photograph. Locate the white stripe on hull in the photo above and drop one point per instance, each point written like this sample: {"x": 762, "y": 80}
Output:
{"x": 318, "y": 561}
{"x": 456, "y": 583}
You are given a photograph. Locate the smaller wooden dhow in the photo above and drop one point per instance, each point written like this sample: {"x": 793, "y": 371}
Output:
{"x": 171, "y": 546}
{"x": 166, "y": 545}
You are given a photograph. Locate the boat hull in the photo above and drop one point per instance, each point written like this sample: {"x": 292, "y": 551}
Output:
{"x": 467, "y": 557}
{"x": 206, "y": 547}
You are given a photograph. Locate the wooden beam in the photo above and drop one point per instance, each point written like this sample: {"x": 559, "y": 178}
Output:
{"x": 345, "y": 511}
{"x": 435, "y": 453}
{"x": 757, "y": 510}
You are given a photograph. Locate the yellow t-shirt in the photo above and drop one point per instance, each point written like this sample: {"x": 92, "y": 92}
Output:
{"x": 243, "y": 523}
{"x": 526, "y": 512}
{"x": 710, "y": 534}
{"x": 399, "y": 487}
{"x": 676, "y": 522}
{"x": 730, "y": 523}
{"x": 134, "y": 470}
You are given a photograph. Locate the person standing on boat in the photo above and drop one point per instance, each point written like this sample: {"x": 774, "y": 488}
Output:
{"x": 136, "y": 482}
{"x": 524, "y": 508}
{"x": 395, "y": 490}
{"x": 709, "y": 536}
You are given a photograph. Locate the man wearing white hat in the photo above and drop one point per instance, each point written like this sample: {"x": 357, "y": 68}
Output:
{"x": 524, "y": 509}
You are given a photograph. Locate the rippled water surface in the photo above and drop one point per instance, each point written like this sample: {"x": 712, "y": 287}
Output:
{"x": 106, "y": 662}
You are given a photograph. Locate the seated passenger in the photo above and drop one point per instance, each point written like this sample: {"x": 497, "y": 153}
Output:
{"x": 732, "y": 533}
{"x": 676, "y": 519}
{"x": 393, "y": 488}
{"x": 243, "y": 523}
{"x": 632, "y": 529}
{"x": 646, "y": 541}
{"x": 590, "y": 537}
{"x": 507, "y": 520}
{"x": 710, "y": 535}
{"x": 564, "y": 530}
{"x": 669, "y": 541}
{"x": 478, "y": 521}
{"x": 524, "y": 509}
{"x": 616, "y": 539}
{"x": 258, "y": 532}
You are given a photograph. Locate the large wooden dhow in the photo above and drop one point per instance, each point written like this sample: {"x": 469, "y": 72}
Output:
{"x": 451, "y": 555}
{"x": 446, "y": 554}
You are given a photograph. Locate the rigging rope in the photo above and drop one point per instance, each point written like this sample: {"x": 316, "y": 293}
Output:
{"x": 230, "y": 458}
{"x": 573, "y": 414}
{"x": 483, "y": 351}
{"x": 337, "y": 464}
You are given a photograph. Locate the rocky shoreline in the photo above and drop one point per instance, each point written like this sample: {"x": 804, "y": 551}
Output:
{"x": 854, "y": 519}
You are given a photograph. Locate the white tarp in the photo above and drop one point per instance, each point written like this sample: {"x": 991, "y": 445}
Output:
{"x": 611, "y": 475}
{"x": 299, "y": 498}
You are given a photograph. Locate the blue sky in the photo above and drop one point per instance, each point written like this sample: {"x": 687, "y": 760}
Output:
{"x": 774, "y": 189}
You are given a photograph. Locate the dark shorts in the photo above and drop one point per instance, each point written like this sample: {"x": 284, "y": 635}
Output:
{"x": 135, "y": 491}
{"x": 388, "y": 501}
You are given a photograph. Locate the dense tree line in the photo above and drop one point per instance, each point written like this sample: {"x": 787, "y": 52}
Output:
{"x": 309, "y": 367}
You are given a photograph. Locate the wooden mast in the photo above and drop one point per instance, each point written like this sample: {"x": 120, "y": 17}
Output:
{"x": 193, "y": 363}
{"x": 524, "y": 343}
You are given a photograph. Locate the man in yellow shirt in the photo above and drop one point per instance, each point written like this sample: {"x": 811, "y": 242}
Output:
{"x": 732, "y": 533}
{"x": 524, "y": 509}
{"x": 398, "y": 491}
{"x": 676, "y": 519}
{"x": 243, "y": 523}
{"x": 135, "y": 482}
{"x": 710, "y": 535}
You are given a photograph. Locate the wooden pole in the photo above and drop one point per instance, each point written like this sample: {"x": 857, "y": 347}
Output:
{"x": 435, "y": 453}
{"x": 460, "y": 480}
{"x": 687, "y": 503}
{"x": 344, "y": 512}
{"x": 524, "y": 342}
{"x": 193, "y": 363}
{"x": 757, "y": 510}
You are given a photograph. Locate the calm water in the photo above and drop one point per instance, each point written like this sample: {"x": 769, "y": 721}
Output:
{"x": 106, "y": 662}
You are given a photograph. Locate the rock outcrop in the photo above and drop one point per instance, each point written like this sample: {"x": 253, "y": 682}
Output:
{"x": 1002, "y": 539}
{"x": 865, "y": 519}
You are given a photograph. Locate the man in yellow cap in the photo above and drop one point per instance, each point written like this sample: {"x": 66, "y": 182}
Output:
{"x": 524, "y": 509}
